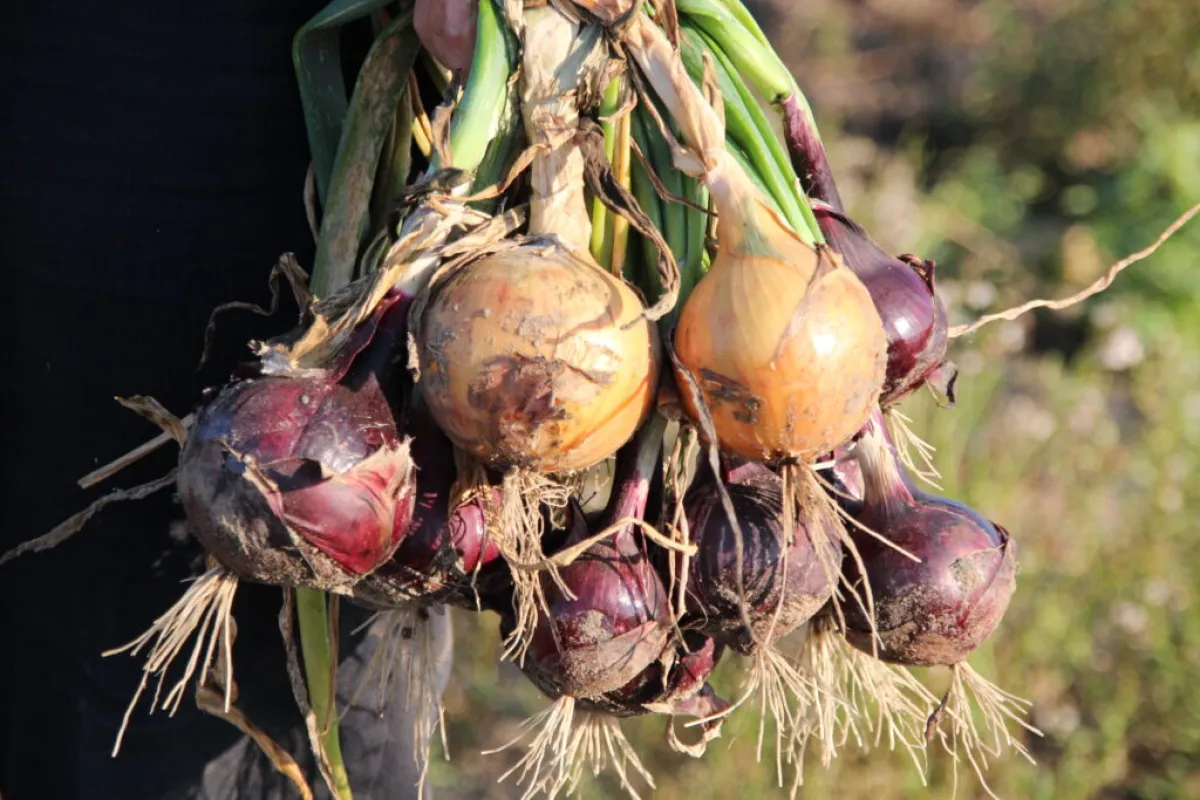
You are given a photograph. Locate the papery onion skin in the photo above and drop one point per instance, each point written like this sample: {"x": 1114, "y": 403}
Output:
{"x": 787, "y": 349}
{"x": 274, "y": 459}
{"x": 686, "y": 675}
{"x": 305, "y": 480}
{"x": 534, "y": 358}
{"x": 938, "y": 611}
{"x": 779, "y": 596}
{"x": 902, "y": 288}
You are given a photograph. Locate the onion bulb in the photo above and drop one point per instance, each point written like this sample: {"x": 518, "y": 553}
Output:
{"x": 782, "y": 339}
{"x": 606, "y": 616}
{"x": 782, "y": 585}
{"x": 303, "y": 481}
{"x": 533, "y": 357}
{"x": 446, "y": 553}
{"x": 938, "y": 610}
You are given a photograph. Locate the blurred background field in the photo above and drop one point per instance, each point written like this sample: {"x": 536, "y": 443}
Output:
{"x": 1025, "y": 145}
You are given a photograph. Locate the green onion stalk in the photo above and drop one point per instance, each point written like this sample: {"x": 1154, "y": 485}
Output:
{"x": 731, "y": 27}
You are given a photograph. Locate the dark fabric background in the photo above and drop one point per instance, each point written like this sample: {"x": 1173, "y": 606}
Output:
{"x": 152, "y": 159}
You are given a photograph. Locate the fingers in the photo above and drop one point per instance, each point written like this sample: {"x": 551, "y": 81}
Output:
{"x": 447, "y": 30}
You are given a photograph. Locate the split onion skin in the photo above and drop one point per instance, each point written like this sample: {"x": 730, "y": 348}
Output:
{"x": 681, "y": 688}
{"x": 534, "y": 358}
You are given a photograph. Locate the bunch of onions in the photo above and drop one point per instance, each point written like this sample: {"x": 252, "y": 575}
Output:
{"x": 534, "y": 360}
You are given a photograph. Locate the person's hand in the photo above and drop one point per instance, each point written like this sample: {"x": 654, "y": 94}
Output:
{"x": 447, "y": 29}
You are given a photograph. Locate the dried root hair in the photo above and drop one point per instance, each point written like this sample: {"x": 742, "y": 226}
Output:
{"x": 858, "y": 699}
{"x": 206, "y": 610}
{"x": 566, "y": 743}
{"x": 406, "y": 651}
{"x": 213, "y": 695}
{"x": 914, "y": 453}
{"x": 517, "y": 525}
{"x": 982, "y": 735}
{"x": 677, "y": 476}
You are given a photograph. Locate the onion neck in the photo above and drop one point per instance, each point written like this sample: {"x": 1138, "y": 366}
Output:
{"x": 885, "y": 486}
{"x": 557, "y": 56}
{"x": 637, "y": 464}
{"x": 808, "y": 153}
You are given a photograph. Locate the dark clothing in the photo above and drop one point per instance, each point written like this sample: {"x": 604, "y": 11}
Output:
{"x": 152, "y": 162}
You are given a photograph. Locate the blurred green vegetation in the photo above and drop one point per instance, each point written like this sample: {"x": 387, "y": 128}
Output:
{"x": 1026, "y": 146}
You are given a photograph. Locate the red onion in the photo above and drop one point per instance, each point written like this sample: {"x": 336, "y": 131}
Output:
{"x": 939, "y": 610}
{"x": 914, "y": 317}
{"x": 446, "y": 551}
{"x": 618, "y": 620}
{"x": 776, "y": 601}
{"x": 304, "y": 481}
{"x": 902, "y": 287}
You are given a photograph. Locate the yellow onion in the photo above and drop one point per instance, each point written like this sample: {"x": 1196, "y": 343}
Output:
{"x": 783, "y": 340}
{"x": 536, "y": 358}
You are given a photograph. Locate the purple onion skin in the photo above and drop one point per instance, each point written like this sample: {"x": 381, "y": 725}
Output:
{"x": 618, "y": 622}
{"x": 808, "y": 154}
{"x": 714, "y": 603}
{"x": 938, "y": 611}
{"x": 685, "y": 679}
{"x": 300, "y": 480}
{"x": 902, "y": 288}
{"x": 446, "y": 556}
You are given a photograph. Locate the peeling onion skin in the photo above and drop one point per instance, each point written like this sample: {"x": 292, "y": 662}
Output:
{"x": 902, "y": 288}
{"x": 713, "y": 601}
{"x": 342, "y": 482}
{"x": 938, "y": 611}
{"x": 683, "y": 688}
{"x": 533, "y": 358}
{"x": 303, "y": 481}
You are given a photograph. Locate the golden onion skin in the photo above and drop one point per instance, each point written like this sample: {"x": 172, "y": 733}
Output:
{"x": 532, "y": 357}
{"x": 789, "y": 352}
